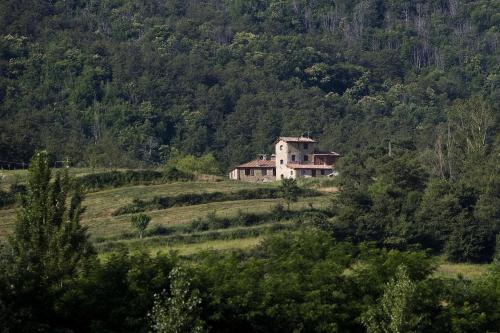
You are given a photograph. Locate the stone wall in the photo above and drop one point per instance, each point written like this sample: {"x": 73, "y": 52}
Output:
{"x": 256, "y": 174}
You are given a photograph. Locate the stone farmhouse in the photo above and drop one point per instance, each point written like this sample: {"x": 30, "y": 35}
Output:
{"x": 295, "y": 157}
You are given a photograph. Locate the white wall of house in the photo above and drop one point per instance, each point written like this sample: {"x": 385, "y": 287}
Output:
{"x": 234, "y": 174}
{"x": 291, "y": 152}
{"x": 281, "y": 149}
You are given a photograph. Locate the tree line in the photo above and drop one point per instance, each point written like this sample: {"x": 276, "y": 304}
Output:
{"x": 128, "y": 83}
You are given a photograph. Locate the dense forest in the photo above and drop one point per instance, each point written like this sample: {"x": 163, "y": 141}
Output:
{"x": 125, "y": 83}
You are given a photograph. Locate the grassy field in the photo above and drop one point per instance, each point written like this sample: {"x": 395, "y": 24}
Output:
{"x": 110, "y": 226}
{"x": 468, "y": 271}
{"x": 211, "y": 245}
{"x": 108, "y": 229}
{"x": 8, "y": 177}
{"x": 100, "y": 205}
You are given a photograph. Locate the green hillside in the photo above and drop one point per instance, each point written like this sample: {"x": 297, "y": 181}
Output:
{"x": 110, "y": 232}
{"x": 125, "y": 82}
{"x": 119, "y": 122}
{"x": 236, "y": 256}
{"x": 101, "y": 205}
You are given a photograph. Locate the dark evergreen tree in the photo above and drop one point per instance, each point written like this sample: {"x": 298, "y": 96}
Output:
{"x": 48, "y": 248}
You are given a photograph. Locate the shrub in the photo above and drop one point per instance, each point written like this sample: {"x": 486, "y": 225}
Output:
{"x": 140, "y": 222}
{"x": 8, "y": 198}
{"x": 316, "y": 219}
{"x": 101, "y": 180}
{"x": 278, "y": 211}
{"x": 190, "y": 164}
{"x": 190, "y": 199}
{"x": 173, "y": 174}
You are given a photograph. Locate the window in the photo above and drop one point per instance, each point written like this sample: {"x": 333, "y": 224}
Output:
{"x": 281, "y": 147}
{"x": 293, "y": 158}
{"x": 302, "y": 172}
{"x": 291, "y": 172}
{"x": 306, "y": 145}
{"x": 323, "y": 172}
{"x": 281, "y": 161}
{"x": 247, "y": 172}
{"x": 264, "y": 172}
{"x": 313, "y": 173}
{"x": 274, "y": 171}
{"x": 251, "y": 172}
{"x": 306, "y": 158}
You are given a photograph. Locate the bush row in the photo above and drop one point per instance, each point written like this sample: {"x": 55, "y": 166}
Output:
{"x": 102, "y": 180}
{"x": 236, "y": 233}
{"x": 8, "y": 198}
{"x": 315, "y": 217}
{"x": 189, "y": 199}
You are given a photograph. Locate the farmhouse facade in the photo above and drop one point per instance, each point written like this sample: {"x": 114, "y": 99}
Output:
{"x": 295, "y": 157}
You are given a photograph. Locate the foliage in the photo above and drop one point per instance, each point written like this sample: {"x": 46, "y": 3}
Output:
{"x": 47, "y": 248}
{"x": 401, "y": 205}
{"x": 293, "y": 280}
{"x": 116, "y": 294}
{"x": 180, "y": 311}
{"x": 97, "y": 181}
{"x": 173, "y": 174}
{"x": 126, "y": 83}
{"x": 289, "y": 191}
{"x": 300, "y": 280}
{"x": 140, "y": 222}
{"x": 189, "y": 199}
{"x": 190, "y": 164}
{"x": 395, "y": 312}
{"x": 496, "y": 258}
{"x": 9, "y": 197}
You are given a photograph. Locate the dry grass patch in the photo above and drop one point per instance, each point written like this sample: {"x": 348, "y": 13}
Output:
{"x": 194, "y": 248}
{"x": 468, "y": 271}
{"x": 100, "y": 205}
{"x": 110, "y": 226}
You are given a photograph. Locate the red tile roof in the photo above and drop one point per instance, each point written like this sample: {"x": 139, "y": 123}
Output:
{"x": 258, "y": 164}
{"x": 309, "y": 166}
{"x": 295, "y": 139}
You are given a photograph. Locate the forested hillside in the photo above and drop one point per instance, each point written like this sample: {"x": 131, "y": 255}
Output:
{"x": 123, "y": 82}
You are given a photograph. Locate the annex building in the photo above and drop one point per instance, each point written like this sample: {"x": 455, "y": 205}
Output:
{"x": 294, "y": 157}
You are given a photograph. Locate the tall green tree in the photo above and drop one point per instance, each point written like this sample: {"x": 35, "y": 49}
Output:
{"x": 48, "y": 247}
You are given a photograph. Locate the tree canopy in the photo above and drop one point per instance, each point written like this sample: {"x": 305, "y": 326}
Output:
{"x": 131, "y": 81}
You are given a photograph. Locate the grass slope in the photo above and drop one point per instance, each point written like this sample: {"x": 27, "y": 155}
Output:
{"x": 108, "y": 228}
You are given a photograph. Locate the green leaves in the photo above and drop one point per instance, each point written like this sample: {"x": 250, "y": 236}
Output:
{"x": 395, "y": 311}
{"x": 179, "y": 313}
{"x": 290, "y": 191}
{"x": 49, "y": 247}
{"x": 140, "y": 222}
